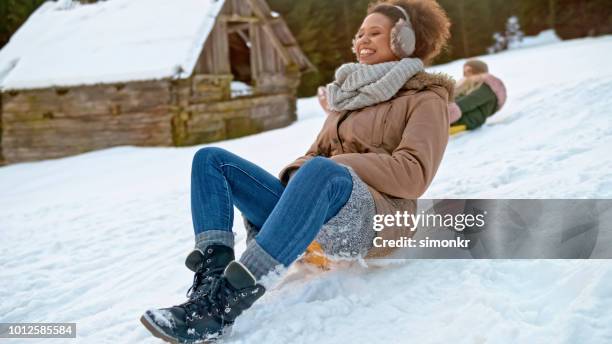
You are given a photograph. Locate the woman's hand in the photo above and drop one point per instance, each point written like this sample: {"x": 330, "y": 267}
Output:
{"x": 322, "y": 95}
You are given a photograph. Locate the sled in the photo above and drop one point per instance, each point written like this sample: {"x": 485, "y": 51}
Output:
{"x": 315, "y": 256}
{"x": 456, "y": 129}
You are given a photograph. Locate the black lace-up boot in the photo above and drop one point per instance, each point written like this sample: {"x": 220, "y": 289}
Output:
{"x": 220, "y": 293}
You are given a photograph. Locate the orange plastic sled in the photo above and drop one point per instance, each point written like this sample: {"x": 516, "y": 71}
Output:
{"x": 314, "y": 255}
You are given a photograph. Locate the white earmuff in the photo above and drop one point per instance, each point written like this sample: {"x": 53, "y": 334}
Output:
{"x": 403, "y": 38}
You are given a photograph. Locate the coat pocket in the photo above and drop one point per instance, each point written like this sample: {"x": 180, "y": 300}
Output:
{"x": 380, "y": 121}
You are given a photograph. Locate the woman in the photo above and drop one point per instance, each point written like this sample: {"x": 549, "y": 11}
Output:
{"x": 378, "y": 150}
{"x": 478, "y": 96}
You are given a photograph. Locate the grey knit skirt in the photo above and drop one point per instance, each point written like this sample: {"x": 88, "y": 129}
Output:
{"x": 350, "y": 232}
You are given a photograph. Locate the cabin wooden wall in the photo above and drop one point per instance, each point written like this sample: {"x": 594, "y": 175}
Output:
{"x": 269, "y": 71}
{"x": 215, "y": 55}
{"x": 240, "y": 7}
{"x": 209, "y": 122}
{"x": 50, "y": 123}
{"x": 267, "y": 60}
{"x": 200, "y": 119}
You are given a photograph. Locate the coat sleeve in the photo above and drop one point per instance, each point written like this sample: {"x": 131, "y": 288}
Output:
{"x": 474, "y": 107}
{"x": 410, "y": 168}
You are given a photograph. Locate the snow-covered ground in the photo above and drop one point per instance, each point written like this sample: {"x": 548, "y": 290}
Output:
{"x": 543, "y": 38}
{"x": 98, "y": 238}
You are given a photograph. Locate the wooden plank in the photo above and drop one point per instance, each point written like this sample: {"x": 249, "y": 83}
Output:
{"x": 100, "y": 100}
{"x": 258, "y": 51}
{"x": 241, "y": 103}
{"x": 214, "y": 58}
{"x": 255, "y": 51}
{"x": 238, "y": 27}
{"x": 241, "y": 7}
{"x": 238, "y": 18}
{"x": 221, "y": 51}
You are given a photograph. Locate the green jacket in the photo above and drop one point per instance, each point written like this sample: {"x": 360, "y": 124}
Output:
{"x": 476, "y": 107}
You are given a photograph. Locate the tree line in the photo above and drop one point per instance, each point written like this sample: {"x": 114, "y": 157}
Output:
{"x": 325, "y": 28}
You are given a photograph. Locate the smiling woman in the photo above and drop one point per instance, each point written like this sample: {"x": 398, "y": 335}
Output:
{"x": 378, "y": 150}
{"x": 426, "y": 18}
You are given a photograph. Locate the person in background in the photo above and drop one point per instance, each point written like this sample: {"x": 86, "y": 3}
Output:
{"x": 478, "y": 96}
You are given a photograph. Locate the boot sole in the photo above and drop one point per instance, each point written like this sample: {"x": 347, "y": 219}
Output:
{"x": 155, "y": 331}
{"x": 150, "y": 325}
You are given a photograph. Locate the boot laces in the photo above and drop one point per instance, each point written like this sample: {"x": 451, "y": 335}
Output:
{"x": 203, "y": 278}
{"x": 215, "y": 298}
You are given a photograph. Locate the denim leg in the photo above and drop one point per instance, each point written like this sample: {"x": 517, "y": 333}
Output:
{"x": 314, "y": 195}
{"x": 220, "y": 180}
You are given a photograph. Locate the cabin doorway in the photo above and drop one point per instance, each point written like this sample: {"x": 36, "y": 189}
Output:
{"x": 240, "y": 58}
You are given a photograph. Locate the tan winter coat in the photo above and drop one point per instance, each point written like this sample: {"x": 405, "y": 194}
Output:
{"x": 395, "y": 147}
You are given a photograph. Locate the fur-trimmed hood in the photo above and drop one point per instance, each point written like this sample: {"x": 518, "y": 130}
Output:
{"x": 436, "y": 82}
{"x": 498, "y": 87}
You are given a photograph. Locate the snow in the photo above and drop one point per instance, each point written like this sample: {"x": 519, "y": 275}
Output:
{"x": 67, "y": 44}
{"x": 99, "y": 238}
{"x": 543, "y": 38}
{"x": 553, "y": 137}
{"x": 240, "y": 88}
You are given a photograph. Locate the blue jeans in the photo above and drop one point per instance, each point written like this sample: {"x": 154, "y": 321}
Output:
{"x": 288, "y": 218}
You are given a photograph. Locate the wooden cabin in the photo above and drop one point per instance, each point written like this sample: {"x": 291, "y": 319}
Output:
{"x": 79, "y": 77}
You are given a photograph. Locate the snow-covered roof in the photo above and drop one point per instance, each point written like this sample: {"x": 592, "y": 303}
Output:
{"x": 64, "y": 43}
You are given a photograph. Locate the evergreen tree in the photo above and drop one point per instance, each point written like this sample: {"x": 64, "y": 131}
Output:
{"x": 535, "y": 15}
{"x": 320, "y": 40}
{"x": 500, "y": 43}
{"x": 324, "y": 30}
{"x": 576, "y": 18}
{"x": 514, "y": 35}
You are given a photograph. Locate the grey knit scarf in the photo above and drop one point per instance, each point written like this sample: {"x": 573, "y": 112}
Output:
{"x": 360, "y": 85}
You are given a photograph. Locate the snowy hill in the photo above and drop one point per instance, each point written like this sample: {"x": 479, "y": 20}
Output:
{"x": 98, "y": 238}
